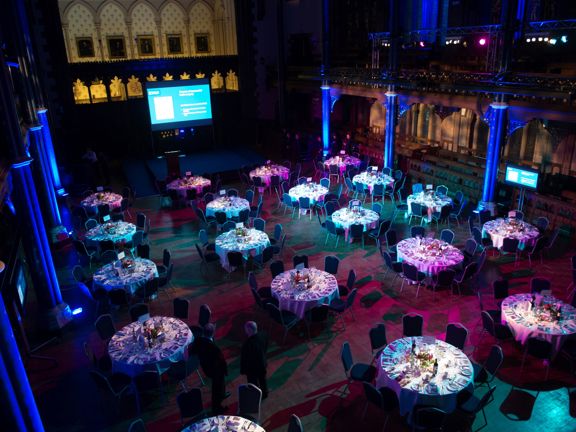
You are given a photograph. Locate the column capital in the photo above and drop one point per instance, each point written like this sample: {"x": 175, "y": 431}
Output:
{"x": 325, "y": 87}
{"x": 35, "y": 127}
{"x": 390, "y": 94}
{"x": 499, "y": 105}
{"x": 42, "y": 110}
{"x": 22, "y": 163}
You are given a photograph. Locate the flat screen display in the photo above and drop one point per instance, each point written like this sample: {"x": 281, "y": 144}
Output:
{"x": 175, "y": 104}
{"x": 521, "y": 177}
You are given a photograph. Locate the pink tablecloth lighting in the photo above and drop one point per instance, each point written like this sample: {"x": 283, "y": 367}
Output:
{"x": 113, "y": 200}
{"x": 345, "y": 217}
{"x": 499, "y": 229}
{"x": 183, "y": 184}
{"x": 343, "y": 161}
{"x": 299, "y": 291}
{"x": 412, "y": 377}
{"x": 266, "y": 172}
{"x": 429, "y": 255}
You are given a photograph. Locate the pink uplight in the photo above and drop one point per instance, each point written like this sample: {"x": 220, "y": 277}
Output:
{"x": 482, "y": 41}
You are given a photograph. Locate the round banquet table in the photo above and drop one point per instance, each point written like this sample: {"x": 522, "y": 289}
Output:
{"x": 232, "y": 206}
{"x": 185, "y": 183}
{"x": 343, "y": 161}
{"x": 345, "y": 217}
{"x": 525, "y": 322}
{"x": 499, "y": 229}
{"x": 132, "y": 354}
{"x": 429, "y": 255}
{"x": 250, "y": 242}
{"x": 114, "y": 276}
{"x": 430, "y": 200}
{"x": 92, "y": 202}
{"x": 224, "y": 423}
{"x": 370, "y": 179}
{"x": 411, "y": 376}
{"x": 118, "y": 232}
{"x": 266, "y": 172}
{"x": 298, "y": 297}
{"x": 314, "y": 191}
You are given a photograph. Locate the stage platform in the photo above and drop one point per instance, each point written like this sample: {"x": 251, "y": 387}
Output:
{"x": 141, "y": 174}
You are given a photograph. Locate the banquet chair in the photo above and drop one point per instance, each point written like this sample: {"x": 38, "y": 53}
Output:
{"x": 116, "y": 386}
{"x": 378, "y": 191}
{"x": 500, "y": 289}
{"x": 391, "y": 241}
{"x": 355, "y": 371}
{"x": 249, "y": 401}
{"x": 80, "y": 275}
{"x": 259, "y": 224}
{"x": 484, "y": 216}
{"x": 191, "y": 196}
{"x": 356, "y": 232}
{"x": 106, "y": 245}
{"x": 334, "y": 170}
{"x": 400, "y": 205}
{"x": 412, "y": 274}
{"x": 387, "y": 171}
{"x": 376, "y": 398}
{"x": 179, "y": 371}
{"x": 350, "y": 190}
{"x": 340, "y": 306}
{"x": 208, "y": 197}
{"x": 538, "y": 247}
{"x": 289, "y": 203}
{"x": 332, "y": 230}
{"x": 206, "y": 258}
{"x": 265, "y": 257}
{"x": 143, "y": 251}
{"x": 204, "y": 316}
{"x": 456, "y": 214}
{"x": 377, "y": 207}
{"x": 137, "y": 239}
{"x": 285, "y": 318}
{"x": 443, "y": 216}
{"x": 469, "y": 251}
{"x": 249, "y": 196}
{"x": 418, "y": 212}
{"x": 325, "y": 182}
{"x": 178, "y": 201}
{"x": 537, "y": 285}
{"x": 275, "y": 184}
{"x": 277, "y": 236}
{"x": 255, "y": 211}
{"x": 232, "y": 192}
{"x": 329, "y": 208}
{"x": 444, "y": 278}
{"x": 447, "y": 235}
{"x": 510, "y": 247}
{"x": 228, "y": 226}
{"x": 459, "y": 197}
{"x": 102, "y": 364}
{"x": 103, "y": 210}
{"x": 206, "y": 244}
{"x": 137, "y": 310}
{"x": 417, "y": 231}
{"x": 190, "y": 405}
{"x": 90, "y": 223}
{"x": 137, "y": 426}
{"x": 417, "y": 188}
{"x": 149, "y": 290}
{"x": 474, "y": 405}
{"x": 297, "y": 259}
{"x": 221, "y": 219}
{"x": 378, "y": 234}
{"x": 331, "y": 264}
{"x": 428, "y": 419}
{"x": 302, "y": 180}
{"x": 442, "y": 190}
{"x": 412, "y": 325}
{"x": 276, "y": 268}
{"x": 395, "y": 266}
{"x": 236, "y": 260}
{"x": 498, "y": 331}
{"x": 456, "y": 335}
{"x": 486, "y": 373}
{"x": 551, "y": 243}
{"x": 165, "y": 279}
{"x": 319, "y": 170}
{"x": 295, "y": 425}
{"x": 469, "y": 272}
{"x": 265, "y": 293}
{"x": 378, "y": 339}
{"x": 484, "y": 242}
{"x": 304, "y": 204}
{"x": 108, "y": 256}
{"x": 259, "y": 184}
{"x": 105, "y": 327}
{"x": 181, "y": 306}
{"x": 541, "y": 223}
{"x": 344, "y": 290}
{"x": 278, "y": 247}
{"x": 83, "y": 251}
{"x": 206, "y": 220}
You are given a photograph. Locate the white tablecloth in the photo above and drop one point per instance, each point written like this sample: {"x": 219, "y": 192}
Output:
{"x": 370, "y": 179}
{"x": 265, "y": 172}
{"x": 413, "y": 382}
{"x": 322, "y": 288}
{"x": 428, "y": 255}
{"x": 93, "y": 201}
{"x": 345, "y": 217}
{"x": 314, "y": 191}
{"x": 113, "y": 276}
{"x": 224, "y": 424}
{"x": 430, "y": 200}
{"x": 342, "y": 161}
{"x": 251, "y": 242}
{"x": 131, "y": 353}
{"x": 183, "y": 184}
{"x": 232, "y": 206}
{"x": 499, "y": 229}
{"x": 118, "y": 232}
{"x": 526, "y": 322}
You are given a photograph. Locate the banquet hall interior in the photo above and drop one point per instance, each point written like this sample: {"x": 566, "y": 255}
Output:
{"x": 288, "y": 215}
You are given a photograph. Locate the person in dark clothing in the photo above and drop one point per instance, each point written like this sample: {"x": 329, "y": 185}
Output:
{"x": 253, "y": 357}
{"x": 214, "y": 366}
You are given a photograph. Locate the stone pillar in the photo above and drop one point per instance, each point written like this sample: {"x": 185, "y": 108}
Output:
{"x": 390, "y": 128}
{"x": 18, "y": 407}
{"x": 326, "y": 105}
{"x": 36, "y": 246}
{"x": 498, "y": 123}
{"x": 49, "y": 151}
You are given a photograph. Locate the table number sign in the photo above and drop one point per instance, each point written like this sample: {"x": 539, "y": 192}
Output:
{"x": 222, "y": 192}
{"x": 99, "y": 189}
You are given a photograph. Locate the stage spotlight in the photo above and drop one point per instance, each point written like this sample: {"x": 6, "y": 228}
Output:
{"x": 482, "y": 41}
{"x": 421, "y": 44}
{"x": 539, "y": 39}
{"x": 533, "y": 39}
{"x": 564, "y": 39}
{"x": 552, "y": 41}
{"x": 528, "y": 40}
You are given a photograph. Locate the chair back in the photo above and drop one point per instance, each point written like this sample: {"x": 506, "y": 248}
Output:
{"x": 346, "y": 357}
{"x": 456, "y": 335}
{"x": 417, "y": 188}
{"x": 351, "y": 297}
{"x": 137, "y": 310}
{"x": 410, "y": 272}
{"x": 278, "y": 231}
{"x": 204, "y": 315}
{"x": 137, "y": 426}
{"x": 90, "y": 223}
{"x": 447, "y": 235}
{"x": 412, "y": 325}
{"x": 484, "y": 216}
{"x": 539, "y": 348}
{"x": 105, "y": 327}
{"x": 537, "y": 285}
{"x": 378, "y": 337}
{"x": 249, "y": 400}
{"x": 181, "y": 308}
{"x": 387, "y": 259}
{"x": 276, "y": 268}
{"x": 470, "y": 247}
{"x": 417, "y": 231}
{"x": 118, "y": 297}
{"x": 330, "y": 207}
{"x": 541, "y": 223}
{"x": 429, "y": 419}
{"x": 500, "y": 287}
{"x": 140, "y": 221}
{"x": 304, "y": 202}
{"x": 494, "y": 360}
{"x": 391, "y": 238}
{"x": 325, "y": 182}
{"x": 295, "y": 425}
{"x": 190, "y": 403}
{"x": 235, "y": 259}
{"x": 418, "y": 209}
{"x": 373, "y": 395}
{"x": 300, "y": 259}
{"x": 259, "y": 224}
{"x": 459, "y": 197}
{"x": 138, "y": 238}
{"x": 79, "y": 274}
{"x": 143, "y": 251}
{"x": 442, "y": 190}
{"x": 220, "y": 217}
{"x": 445, "y": 277}
{"x": 356, "y": 231}
{"x": 351, "y": 279}
{"x": 510, "y": 245}
{"x": 232, "y": 192}
{"x": 108, "y": 257}
{"x": 331, "y": 264}
{"x": 200, "y": 253}
{"x": 488, "y": 323}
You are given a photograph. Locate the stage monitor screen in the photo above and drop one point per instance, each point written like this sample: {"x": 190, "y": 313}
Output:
{"x": 176, "y": 104}
{"x": 521, "y": 177}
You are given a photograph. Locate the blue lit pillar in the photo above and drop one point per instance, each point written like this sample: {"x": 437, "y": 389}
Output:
{"x": 49, "y": 151}
{"x": 36, "y": 246}
{"x": 391, "y": 106}
{"x": 49, "y": 201}
{"x": 19, "y": 410}
{"x": 326, "y": 109}
{"x": 498, "y": 123}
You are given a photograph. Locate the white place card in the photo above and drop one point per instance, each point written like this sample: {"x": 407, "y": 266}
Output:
{"x": 545, "y": 293}
{"x": 428, "y": 340}
{"x": 355, "y": 203}
{"x": 300, "y": 266}
{"x": 429, "y": 187}
{"x": 121, "y": 255}
{"x": 222, "y": 192}
{"x": 106, "y": 218}
{"x": 188, "y": 173}
{"x": 342, "y": 152}
{"x": 374, "y": 168}
{"x": 239, "y": 224}
{"x": 99, "y": 188}
{"x": 309, "y": 179}
{"x": 143, "y": 318}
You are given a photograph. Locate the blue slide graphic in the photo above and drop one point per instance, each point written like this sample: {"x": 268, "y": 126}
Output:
{"x": 175, "y": 104}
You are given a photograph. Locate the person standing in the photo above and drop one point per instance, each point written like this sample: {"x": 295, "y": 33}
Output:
{"x": 253, "y": 357}
{"x": 214, "y": 366}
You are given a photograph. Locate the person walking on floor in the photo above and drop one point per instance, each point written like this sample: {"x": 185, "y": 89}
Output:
{"x": 253, "y": 357}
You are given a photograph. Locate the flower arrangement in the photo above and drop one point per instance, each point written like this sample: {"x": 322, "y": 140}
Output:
{"x": 425, "y": 359}
{"x": 127, "y": 263}
{"x": 550, "y": 312}
{"x": 241, "y": 232}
